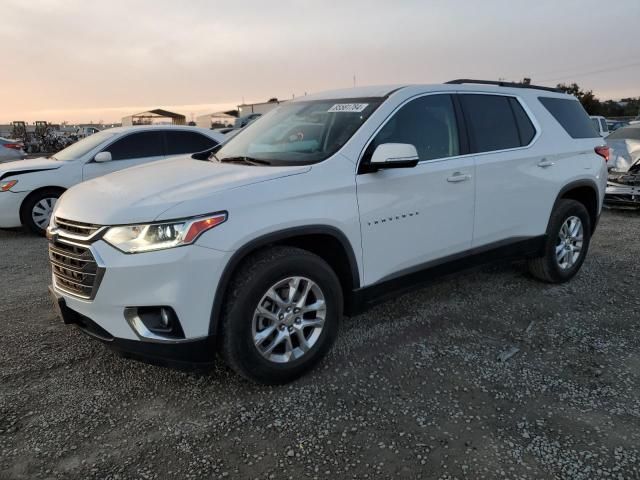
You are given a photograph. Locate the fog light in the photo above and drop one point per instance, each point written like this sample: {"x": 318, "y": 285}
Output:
{"x": 165, "y": 318}
{"x": 155, "y": 323}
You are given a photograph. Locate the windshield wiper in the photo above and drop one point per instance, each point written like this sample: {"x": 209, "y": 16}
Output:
{"x": 244, "y": 161}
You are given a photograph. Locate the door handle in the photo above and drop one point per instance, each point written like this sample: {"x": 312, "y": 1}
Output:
{"x": 458, "y": 177}
{"x": 544, "y": 163}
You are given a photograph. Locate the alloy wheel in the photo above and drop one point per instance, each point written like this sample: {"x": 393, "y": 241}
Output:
{"x": 569, "y": 243}
{"x": 289, "y": 319}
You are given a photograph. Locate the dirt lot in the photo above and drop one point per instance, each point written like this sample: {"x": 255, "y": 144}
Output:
{"x": 412, "y": 389}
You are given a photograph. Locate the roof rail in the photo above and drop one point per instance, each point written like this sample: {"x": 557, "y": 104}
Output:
{"x": 461, "y": 81}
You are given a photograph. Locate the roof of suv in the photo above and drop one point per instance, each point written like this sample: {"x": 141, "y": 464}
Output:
{"x": 378, "y": 91}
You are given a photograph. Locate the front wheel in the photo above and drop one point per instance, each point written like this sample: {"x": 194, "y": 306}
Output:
{"x": 281, "y": 315}
{"x": 37, "y": 210}
{"x": 568, "y": 238}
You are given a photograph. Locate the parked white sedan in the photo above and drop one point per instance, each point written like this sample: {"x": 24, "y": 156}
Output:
{"x": 30, "y": 188}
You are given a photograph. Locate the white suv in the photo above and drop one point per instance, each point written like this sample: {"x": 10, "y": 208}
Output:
{"x": 321, "y": 208}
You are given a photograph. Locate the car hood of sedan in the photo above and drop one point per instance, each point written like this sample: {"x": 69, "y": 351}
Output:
{"x": 141, "y": 194}
{"x": 24, "y": 166}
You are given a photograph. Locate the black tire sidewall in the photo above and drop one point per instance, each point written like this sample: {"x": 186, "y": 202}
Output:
{"x": 239, "y": 325}
{"x": 27, "y": 209}
{"x": 566, "y": 209}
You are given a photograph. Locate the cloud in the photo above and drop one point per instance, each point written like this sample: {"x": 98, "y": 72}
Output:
{"x": 72, "y": 57}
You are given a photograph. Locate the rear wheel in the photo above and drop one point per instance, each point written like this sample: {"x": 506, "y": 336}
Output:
{"x": 37, "y": 209}
{"x": 281, "y": 315}
{"x": 568, "y": 238}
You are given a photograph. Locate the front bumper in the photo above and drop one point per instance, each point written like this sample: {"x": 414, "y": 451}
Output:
{"x": 183, "y": 278}
{"x": 10, "y": 203}
{"x": 187, "y": 354}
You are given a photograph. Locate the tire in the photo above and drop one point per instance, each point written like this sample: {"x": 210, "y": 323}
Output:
{"x": 242, "y": 324}
{"x": 37, "y": 208}
{"x": 549, "y": 267}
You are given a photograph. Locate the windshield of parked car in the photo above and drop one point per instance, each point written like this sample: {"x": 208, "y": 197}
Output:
{"x": 299, "y": 133}
{"x": 625, "y": 133}
{"x": 82, "y": 147}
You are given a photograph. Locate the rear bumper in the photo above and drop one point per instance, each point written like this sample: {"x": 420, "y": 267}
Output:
{"x": 189, "y": 354}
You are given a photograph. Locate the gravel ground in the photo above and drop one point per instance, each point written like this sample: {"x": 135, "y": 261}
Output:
{"x": 414, "y": 387}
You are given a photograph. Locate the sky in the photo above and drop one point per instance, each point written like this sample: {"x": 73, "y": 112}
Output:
{"x": 84, "y": 61}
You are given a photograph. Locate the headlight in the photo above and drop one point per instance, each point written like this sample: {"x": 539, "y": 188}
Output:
{"x": 7, "y": 185}
{"x": 159, "y": 236}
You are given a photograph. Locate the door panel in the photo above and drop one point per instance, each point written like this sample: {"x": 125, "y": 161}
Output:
{"x": 513, "y": 181}
{"x": 514, "y": 195}
{"x": 411, "y": 216}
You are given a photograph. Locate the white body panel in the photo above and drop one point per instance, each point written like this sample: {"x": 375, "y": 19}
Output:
{"x": 393, "y": 220}
{"x": 412, "y": 216}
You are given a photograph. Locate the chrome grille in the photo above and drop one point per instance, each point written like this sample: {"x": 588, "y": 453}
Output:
{"x": 74, "y": 268}
{"x": 76, "y": 229}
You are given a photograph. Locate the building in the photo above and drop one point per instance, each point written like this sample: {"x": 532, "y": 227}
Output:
{"x": 217, "y": 119}
{"x": 153, "y": 117}
{"x": 261, "y": 108}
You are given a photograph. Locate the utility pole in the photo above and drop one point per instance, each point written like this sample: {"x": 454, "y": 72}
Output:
{"x": 354, "y": 80}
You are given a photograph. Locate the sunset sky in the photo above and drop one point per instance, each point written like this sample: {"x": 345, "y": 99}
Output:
{"x": 99, "y": 60}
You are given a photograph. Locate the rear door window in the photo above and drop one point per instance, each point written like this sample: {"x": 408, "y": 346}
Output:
{"x": 491, "y": 122}
{"x": 183, "y": 142}
{"x": 571, "y": 116}
{"x": 137, "y": 145}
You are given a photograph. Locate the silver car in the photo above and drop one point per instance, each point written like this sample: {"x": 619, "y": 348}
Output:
{"x": 11, "y": 150}
{"x": 623, "y": 185}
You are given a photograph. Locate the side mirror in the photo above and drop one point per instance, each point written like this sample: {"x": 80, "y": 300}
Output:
{"x": 394, "y": 155}
{"x": 102, "y": 157}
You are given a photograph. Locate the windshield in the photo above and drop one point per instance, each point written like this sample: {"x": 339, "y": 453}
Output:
{"x": 299, "y": 133}
{"x": 626, "y": 133}
{"x": 80, "y": 148}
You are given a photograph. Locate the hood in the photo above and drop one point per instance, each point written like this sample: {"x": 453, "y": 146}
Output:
{"x": 141, "y": 194}
{"x": 623, "y": 154}
{"x": 25, "y": 166}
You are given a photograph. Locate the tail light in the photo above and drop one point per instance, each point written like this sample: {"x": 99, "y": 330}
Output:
{"x": 14, "y": 146}
{"x": 603, "y": 151}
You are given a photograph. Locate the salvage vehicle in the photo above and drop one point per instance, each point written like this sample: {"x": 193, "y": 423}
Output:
{"x": 614, "y": 125}
{"x": 325, "y": 206}
{"x": 29, "y": 189}
{"x": 623, "y": 186}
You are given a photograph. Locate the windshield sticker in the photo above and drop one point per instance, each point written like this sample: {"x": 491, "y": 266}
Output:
{"x": 348, "y": 107}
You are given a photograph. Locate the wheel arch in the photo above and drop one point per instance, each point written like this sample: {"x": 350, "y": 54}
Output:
{"x": 328, "y": 242}
{"x": 585, "y": 192}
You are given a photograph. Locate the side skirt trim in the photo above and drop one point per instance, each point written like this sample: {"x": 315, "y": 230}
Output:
{"x": 410, "y": 279}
